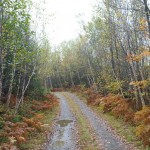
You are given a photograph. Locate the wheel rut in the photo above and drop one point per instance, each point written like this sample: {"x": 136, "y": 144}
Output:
{"x": 64, "y": 131}
{"x": 109, "y": 140}
{"x": 63, "y": 135}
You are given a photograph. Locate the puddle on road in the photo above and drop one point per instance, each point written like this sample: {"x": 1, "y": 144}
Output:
{"x": 64, "y": 123}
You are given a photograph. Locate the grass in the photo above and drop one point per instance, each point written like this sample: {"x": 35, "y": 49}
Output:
{"x": 36, "y": 140}
{"x": 125, "y": 130}
{"x": 86, "y": 137}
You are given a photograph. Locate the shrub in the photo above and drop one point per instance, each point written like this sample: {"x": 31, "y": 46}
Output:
{"x": 142, "y": 119}
{"x": 123, "y": 108}
{"x": 2, "y": 109}
{"x": 46, "y": 104}
{"x": 15, "y": 129}
{"x": 91, "y": 96}
{"x": 1, "y": 124}
{"x": 17, "y": 118}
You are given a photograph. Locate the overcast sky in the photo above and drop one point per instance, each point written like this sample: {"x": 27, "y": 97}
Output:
{"x": 64, "y": 24}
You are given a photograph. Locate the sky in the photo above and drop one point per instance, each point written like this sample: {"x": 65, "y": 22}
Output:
{"x": 64, "y": 18}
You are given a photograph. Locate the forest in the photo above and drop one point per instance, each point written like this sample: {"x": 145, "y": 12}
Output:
{"x": 110, "y": 56}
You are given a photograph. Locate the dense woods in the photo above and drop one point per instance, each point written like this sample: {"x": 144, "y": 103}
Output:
{"x": 21, "y": 56}
{"x": 111, "y": 55}
{"x": 24, "y": 60}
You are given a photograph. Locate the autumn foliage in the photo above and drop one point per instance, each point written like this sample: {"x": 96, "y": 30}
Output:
{"x": 142, "y": 120}
{"x": 122, "y": 108}
{"x": 16, "y": 128}
{"x": 57, "y": 89}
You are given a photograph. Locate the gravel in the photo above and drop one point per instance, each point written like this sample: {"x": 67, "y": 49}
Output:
{"x": 63, "y": 134}
{"x": 108, "y": 139}
{"x": 63, "y": 137}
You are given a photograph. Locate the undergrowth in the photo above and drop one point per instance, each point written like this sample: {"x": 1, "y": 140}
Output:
{"x": 17, "y": 130}
{"x": 122, "y": 109}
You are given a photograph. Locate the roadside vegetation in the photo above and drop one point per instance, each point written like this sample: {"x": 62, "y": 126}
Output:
{"x": 25, "y": 104}
{"x": 110, "y": 59}
{"x": 120, "y": 114}
{"x": 31, "y": 127}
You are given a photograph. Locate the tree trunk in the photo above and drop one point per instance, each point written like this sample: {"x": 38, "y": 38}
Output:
{"x": 45, "y": 84}
{"x": 92, "y": 75}
{"x": 23, "y": 91}
{"x": 50, "y": 81}
{"x": 11, "y": 82}
{"x": 18, "y": 89}
{"x": 1, "y": 47}
{"x": 137, "y": 105}
{"x": 60, "y": 84}
{"x": 79, "y": 77}
{"x": 139, "y": 90}
{"x": 147, "y": 12}
{"x": 133, "y": 78}
{"x": 71, "y": 78}
{"x": 88, "y": 80}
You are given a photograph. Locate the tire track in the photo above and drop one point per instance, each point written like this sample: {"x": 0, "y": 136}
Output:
{"x": 108, "y": 139}
{"x": 63, "y": 135}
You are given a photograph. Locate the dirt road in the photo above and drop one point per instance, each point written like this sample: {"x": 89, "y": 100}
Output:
{"x": 64, "y": 136}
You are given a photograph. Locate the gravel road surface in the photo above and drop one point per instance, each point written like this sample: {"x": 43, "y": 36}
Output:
{"x": 64, "y": 132}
